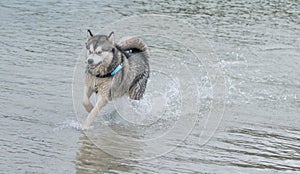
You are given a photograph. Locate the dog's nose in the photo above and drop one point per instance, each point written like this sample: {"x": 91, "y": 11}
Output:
{"x": 90, "y": 61}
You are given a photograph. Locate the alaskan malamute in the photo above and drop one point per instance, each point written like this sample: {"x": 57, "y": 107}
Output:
{"x": 113, "y": 70}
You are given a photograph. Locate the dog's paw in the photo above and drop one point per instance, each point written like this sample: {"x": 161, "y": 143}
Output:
{"x": 85, "y": 126}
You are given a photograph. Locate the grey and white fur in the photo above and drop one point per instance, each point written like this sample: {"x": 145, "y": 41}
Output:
{"x": 102, "y": 58}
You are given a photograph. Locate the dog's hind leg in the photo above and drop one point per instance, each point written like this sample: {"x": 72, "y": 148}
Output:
{"x": 86, "y": 99}
{"x": 101, "y": 102}
{"x": 138, "y": 87}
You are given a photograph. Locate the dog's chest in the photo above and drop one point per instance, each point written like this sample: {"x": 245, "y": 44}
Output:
{"x": 99, "y": 85}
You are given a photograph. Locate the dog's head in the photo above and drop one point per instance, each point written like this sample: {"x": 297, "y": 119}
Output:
{"x": 100, "y": 50}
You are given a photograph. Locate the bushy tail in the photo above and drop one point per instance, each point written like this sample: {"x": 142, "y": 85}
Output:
{"x": 133, "y": 43}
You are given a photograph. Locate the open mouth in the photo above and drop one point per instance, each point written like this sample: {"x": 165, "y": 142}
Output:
{"x": 93, "y": 66}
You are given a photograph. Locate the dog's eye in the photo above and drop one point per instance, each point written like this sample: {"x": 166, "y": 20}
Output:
{"x": 128, "y": 51}
{"x": 99, "y": 52}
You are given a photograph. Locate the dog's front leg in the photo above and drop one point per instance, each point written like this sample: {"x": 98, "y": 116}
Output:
{"x": 86, "y": 99}
{"x": 101, "y": 102}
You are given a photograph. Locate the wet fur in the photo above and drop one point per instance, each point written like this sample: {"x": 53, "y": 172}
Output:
{"x": 131, "y": 80}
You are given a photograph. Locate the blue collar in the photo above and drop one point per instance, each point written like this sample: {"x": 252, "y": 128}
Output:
{"x": 114, "y": 72}
{"x": 116, "y": 69}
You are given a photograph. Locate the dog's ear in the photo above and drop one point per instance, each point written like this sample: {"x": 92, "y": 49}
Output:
{"x": 89, "y": 34}
{"x": 111, "y": 38}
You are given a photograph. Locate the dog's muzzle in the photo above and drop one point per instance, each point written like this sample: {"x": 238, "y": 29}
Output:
{"x": 90, "y": 61}
{"x": 91, "y": 64}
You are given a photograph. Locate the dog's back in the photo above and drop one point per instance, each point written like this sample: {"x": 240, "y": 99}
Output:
{"x": 135, "y": 75}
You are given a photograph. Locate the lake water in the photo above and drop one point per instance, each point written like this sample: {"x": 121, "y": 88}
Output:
{"x": 257, "y": 46}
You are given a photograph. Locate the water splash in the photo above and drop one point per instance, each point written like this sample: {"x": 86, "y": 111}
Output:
{"x": 74, "y": 124}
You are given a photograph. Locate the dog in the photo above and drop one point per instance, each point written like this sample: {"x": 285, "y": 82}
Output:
{"x": 113, "y": 70}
